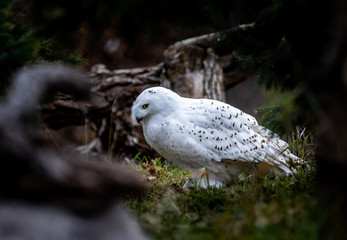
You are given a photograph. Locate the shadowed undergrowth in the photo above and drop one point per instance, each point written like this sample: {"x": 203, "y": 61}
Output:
{"x": 250, "y": 207}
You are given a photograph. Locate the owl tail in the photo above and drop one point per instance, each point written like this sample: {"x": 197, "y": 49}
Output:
{"x": 283, "y": 159}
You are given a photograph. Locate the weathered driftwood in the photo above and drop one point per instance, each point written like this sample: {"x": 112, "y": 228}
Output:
{"x": 191, "y": 68}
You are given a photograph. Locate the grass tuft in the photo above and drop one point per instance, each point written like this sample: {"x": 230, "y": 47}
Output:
{"x": 250, "y": 207}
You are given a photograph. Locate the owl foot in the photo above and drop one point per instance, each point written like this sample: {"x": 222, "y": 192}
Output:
{"x": 202, "y": 179}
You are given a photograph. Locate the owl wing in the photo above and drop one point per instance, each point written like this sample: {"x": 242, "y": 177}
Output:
{"x": 227, "y": 130}
{"x": 230, "y": 134}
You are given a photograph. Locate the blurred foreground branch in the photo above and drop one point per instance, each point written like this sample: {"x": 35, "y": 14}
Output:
{"x": 38, "y": 185}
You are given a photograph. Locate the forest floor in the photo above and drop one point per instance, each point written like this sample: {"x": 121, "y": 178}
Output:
{"x": 250, "y": 207}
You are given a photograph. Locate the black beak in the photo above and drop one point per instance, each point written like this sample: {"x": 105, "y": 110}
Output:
{"x": 138, "y": 119}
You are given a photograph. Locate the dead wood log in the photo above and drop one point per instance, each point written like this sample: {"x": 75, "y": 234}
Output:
{"x": 109, "y": 112}
{"x": 190, "y": 67}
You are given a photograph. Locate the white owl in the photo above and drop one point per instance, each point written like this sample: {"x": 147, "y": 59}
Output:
{"x": 210, "y": 138}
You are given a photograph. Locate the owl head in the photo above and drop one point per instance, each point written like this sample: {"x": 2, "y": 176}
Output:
{"x": 153, "y": 101}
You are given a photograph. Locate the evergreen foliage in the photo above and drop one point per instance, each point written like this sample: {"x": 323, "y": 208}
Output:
{"x": 271, "y": 47}
{"x": 17, "y": 45}
{"x": 22, "y": 43}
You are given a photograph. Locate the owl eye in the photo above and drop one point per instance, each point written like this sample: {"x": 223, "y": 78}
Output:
{"x": 144, "y": 106}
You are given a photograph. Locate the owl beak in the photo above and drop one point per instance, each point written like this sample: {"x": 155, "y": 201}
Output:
{"x": 138, "y": 119}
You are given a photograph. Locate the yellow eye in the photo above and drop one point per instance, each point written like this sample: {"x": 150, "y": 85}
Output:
{"x": 144, "y": 106}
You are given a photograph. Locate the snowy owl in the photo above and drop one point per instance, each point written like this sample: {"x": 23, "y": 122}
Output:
{"x": 212, "y": 139}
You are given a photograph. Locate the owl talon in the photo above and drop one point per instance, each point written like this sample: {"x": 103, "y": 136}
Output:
{"x": 202, "y": 179}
